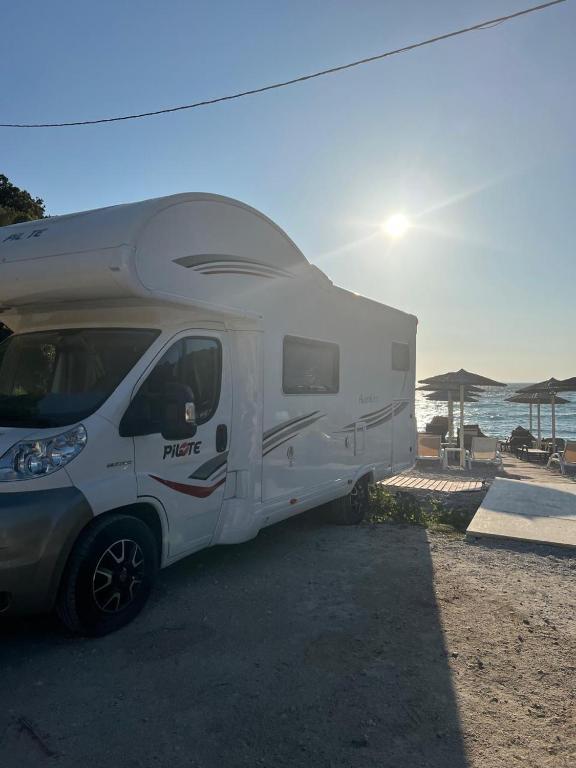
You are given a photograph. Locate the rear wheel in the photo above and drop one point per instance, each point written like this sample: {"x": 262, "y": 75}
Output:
{"x": 109, "y": 576}
{"x": 352, "y": 508}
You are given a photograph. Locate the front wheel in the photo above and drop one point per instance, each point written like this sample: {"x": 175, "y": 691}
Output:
{"x": 352, "y": 508}
{"x": 109, "y": 576}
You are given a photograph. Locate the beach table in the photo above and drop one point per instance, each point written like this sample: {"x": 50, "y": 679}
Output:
{"x": 534, "y": 454}
{"x": 453, "y": 449}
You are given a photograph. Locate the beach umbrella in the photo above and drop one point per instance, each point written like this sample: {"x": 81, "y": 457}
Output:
{"x": 551, "y": 387}
{"x": 447, "y": 396}
{"x": 568, "y": 385}
{"x": 537, "y": 399}
{"x": 456, "y": 389}
{"x": 443, "y": 396}
{"x": 452, "y": 392}
{"x": 461, "y": 379}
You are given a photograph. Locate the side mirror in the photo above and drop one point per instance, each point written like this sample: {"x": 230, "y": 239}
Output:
{"x": 137, "y": 420}
{"x": 173, "y": 415}
{"x": 178, "y": 414}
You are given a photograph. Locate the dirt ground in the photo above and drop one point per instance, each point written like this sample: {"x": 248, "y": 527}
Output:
{"x": 313, "y": 646}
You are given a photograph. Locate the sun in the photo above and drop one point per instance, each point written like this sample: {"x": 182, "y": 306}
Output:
{"x": 397, "y": 225}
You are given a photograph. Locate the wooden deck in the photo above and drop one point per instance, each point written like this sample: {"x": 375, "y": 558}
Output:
{"x": 440, "y": 485}
{"x": 455, "y": 480}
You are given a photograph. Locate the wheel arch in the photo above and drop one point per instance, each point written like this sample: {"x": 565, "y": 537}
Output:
{"x": 367, "y": 473}
{"x": 150, "y": 513}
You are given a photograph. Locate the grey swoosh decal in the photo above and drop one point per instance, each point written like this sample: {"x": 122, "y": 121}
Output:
{"x": 285, "y": 424}
{"x": 216, "y": 263}
{"x": 288, "y": 434}
{"x": 278, "y": 444}
{"x": 377, "y": 418}
{"x": 209, "y": 469}
{"x": 288, "y": 430}
{"x": 397, "y": 409}
{"x": 250, "y": 273}
{"x": 370, "y": 417}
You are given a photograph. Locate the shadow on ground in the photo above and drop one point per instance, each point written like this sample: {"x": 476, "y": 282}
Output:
{"x": 310, "y": 646}
{"x": 539, "y": 549}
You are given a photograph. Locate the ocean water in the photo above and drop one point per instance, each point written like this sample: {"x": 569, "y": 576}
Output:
{"x": 498, "y": 418}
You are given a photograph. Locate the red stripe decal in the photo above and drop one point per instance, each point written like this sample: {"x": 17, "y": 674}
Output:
{"x": 200, "y": 491}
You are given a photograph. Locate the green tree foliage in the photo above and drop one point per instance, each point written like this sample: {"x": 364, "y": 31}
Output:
{"x": 17, "y": 205}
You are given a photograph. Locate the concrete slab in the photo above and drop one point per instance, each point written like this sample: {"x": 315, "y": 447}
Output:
{"x": 529, "y": 511}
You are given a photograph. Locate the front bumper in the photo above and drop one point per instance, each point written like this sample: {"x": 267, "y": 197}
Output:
{"x": 37, "y": 532}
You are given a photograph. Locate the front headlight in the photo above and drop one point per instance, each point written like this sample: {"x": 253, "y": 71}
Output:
{"x": 36, "y": 458}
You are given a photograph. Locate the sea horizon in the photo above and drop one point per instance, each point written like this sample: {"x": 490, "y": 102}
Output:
{"x": 497, "y": 418}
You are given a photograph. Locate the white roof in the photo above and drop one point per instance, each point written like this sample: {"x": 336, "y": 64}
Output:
{"x": 207, "y": 250}
{"x": 143, "y": 250}
{"x": 101, "y": 228}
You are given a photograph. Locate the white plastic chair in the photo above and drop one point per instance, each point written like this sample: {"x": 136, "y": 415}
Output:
{"x": 485, "y": 450}
{"x": 566, "y": 458}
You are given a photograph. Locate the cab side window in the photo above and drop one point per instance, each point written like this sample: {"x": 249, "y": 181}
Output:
{"x": 201, "y": 369}
{"x": 193, "y": 364}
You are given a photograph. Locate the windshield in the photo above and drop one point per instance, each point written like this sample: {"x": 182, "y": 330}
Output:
{"x": 56, "y": 378}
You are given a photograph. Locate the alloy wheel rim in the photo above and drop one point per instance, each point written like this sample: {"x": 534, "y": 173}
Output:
{"x": 118, "y": 576}
{"x": 358, "y": 496}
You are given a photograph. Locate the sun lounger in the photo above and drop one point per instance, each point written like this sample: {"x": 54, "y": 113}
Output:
{"x": 485, "y": 450}
{"x": 438, "y": 426}
{"x": 470, "y": 431}
{"x": 430, "y": 448}
{"x": 520, "y": 438}
{"x": 547, "y": 444}
{"x": 566, "y": 458}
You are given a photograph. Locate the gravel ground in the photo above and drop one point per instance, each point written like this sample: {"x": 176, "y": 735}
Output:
{"x": 313, "y": 646}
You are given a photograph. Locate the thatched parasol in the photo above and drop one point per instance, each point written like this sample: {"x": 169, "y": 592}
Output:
{"x": 551, "y": 387}
{"x": 446, "y": 397}
{"x": 461, "y": 379}
{"x": 451, "y": 392}
{"x": 444, "y": 388}
{"x": 568, "y": 385}
{"x": 537, "y": 399}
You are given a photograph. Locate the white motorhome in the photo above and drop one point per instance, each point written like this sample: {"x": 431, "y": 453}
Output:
{"x": 179, "y": 375}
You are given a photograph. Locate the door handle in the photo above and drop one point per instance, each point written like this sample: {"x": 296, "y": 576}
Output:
{"x": 359, "y": 427}
{"x": 221, "y": 438}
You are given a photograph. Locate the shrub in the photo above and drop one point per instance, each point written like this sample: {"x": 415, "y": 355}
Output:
{"x": 402, "y": 507}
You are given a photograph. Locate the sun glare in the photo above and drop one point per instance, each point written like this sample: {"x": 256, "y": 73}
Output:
{"x": 397, "y": 225}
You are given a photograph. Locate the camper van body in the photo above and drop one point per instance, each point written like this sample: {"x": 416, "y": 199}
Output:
{"x": 299, "y": 390}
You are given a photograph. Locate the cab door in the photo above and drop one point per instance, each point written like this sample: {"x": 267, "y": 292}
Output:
{"x": 188, "y": 476}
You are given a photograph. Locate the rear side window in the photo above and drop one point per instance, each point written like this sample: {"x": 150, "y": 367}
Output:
{"x": 400, "y": 356}
{"x": 310, "y": 367}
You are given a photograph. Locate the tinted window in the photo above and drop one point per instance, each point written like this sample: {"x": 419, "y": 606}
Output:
{"x": 195, "y": 363}
{"x": 400, "y": 356}
{"x": 56, "y": 378}
{"x": 4, "y": 332}
{"x": 310, "y": 367}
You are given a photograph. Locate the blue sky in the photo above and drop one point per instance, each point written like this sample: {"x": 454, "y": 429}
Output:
{"x": 472, "y": 138}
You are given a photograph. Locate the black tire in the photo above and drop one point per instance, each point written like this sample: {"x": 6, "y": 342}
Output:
{"x": 108, "y": 577}
{"x": 352, "y": 508}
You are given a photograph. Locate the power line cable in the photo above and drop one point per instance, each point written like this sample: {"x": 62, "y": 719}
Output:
{"x": 303, "y": 78}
